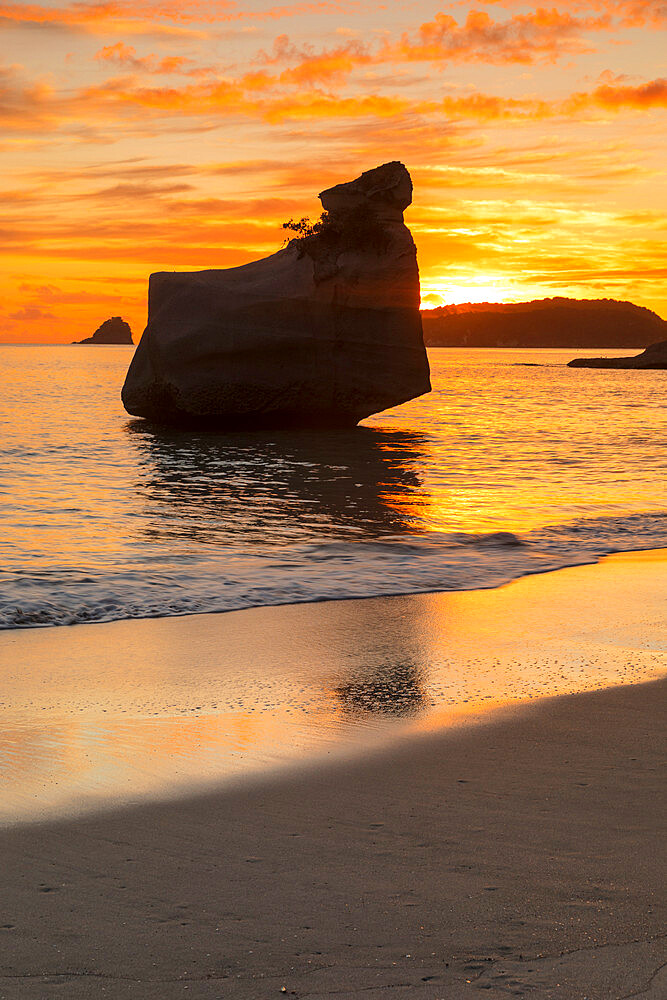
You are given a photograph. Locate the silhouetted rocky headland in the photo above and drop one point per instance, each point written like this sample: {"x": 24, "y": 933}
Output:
{"x": 112, "y": 331}
{"x": 556, "y": 322}
{"x": 322, "y": 333}
{"x": 654, "y": 356}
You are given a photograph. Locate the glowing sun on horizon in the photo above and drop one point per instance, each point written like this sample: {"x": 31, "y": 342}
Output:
{"x": 450, "y": 294}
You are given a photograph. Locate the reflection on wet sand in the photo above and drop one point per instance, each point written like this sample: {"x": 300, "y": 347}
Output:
{"x": 379, "y": 664}
{"x": 66, "y": 763}
{"x": 394, "y": 689}
{"x": 105, "y": 713}
{"x": 280, "y": 487}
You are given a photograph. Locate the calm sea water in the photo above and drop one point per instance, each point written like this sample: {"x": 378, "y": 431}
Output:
{"x": 512, "y": 465}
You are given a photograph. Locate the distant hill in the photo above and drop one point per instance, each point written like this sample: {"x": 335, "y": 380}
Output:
{"x": 112, "y": 331}
{"x": 557, "y": 322}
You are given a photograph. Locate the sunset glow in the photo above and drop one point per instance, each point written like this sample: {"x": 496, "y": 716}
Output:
{"x": 436, "y": 294}
{"x": 151, "y": 136}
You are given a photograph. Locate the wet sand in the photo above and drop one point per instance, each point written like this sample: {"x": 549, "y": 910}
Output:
{"x": 104, "y": 715}
{"x": 521, "y": 858}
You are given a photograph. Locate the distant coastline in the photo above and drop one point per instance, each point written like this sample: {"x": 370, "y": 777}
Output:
{"x": 555, "y": 323}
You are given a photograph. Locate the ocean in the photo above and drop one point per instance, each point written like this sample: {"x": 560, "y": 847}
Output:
{"x": 514, "y": 464}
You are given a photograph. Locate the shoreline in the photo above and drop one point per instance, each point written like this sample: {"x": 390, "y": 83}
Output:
{"x": 507, "y": 576}
{"x": 110, "y": 714}
{"x": 522, "y": 857}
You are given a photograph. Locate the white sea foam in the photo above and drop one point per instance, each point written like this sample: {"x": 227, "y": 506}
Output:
{"x": 316, "y": 572}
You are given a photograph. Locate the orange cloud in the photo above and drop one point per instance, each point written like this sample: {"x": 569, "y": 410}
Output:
{"x": 98, "y": 19}
{"x": 134, "y": 169}
{"x": 28, "y": 107}
{"x": 488, "y": 107}
{"x": 619, "y": 96}
{"x": 618, "y": 13}
{"x": 253, "y": 95}
{"x": 263, "y": 96}
{"x": 635, "y": 13}
{"x": 54, "y": 295}
{"x": 30, "y": 314}
{"x": 130, "y": 192}
{"x": 312, "y": 66}
{"x": 149, "y": 15}
{"x": 643, "y": 96}
{"x": 524, "y": 38}
{"x": 108, "y": 10}
{"x": 126, "y": 56}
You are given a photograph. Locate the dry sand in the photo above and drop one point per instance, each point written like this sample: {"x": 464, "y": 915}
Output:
{"x": 523, "y": 857}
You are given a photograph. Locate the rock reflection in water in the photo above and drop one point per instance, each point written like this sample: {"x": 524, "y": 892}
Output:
{"x": 282, "y": 487}
{"x": 396, "y": 689}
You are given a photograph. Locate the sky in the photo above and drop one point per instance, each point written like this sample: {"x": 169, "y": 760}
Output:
{"x": 147, "y": 135}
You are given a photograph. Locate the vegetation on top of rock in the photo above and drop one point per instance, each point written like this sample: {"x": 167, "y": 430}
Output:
{"x": 356, "y": 229}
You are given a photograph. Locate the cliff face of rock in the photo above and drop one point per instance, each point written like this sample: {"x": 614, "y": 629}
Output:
{"x": 557, "y": 322}
{"x": 112, "y": 331}
{"x": 654, "y": 356}
{"x": 322, "y": 333}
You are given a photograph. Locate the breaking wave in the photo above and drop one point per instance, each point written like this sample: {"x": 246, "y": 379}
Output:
{"x": 329, "y": 570}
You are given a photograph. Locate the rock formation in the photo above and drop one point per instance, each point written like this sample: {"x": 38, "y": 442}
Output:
{"x": 322, "y": 333}
{"x": 112, "y": 331}
{"x": 654, "y": 356}
{"x": 555, "y": 322}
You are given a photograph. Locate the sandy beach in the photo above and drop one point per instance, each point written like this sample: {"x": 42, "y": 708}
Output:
{"x": 522, "y": 857}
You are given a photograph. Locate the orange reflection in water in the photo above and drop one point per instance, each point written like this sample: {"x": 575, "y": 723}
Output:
{"x": 514, "y": 440}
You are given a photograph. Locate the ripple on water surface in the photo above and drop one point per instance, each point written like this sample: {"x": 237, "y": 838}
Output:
{"x": 109, "y": 518}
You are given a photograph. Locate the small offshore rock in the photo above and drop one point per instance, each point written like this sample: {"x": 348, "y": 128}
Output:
{"x": 112, "y": 331}
{"x": 654, "y": 357}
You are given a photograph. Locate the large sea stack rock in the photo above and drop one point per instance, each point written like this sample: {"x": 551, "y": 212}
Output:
{"x": 112, "y": 331}
{"x": 322, "y": 333}
{"x": 654, "y": 356}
